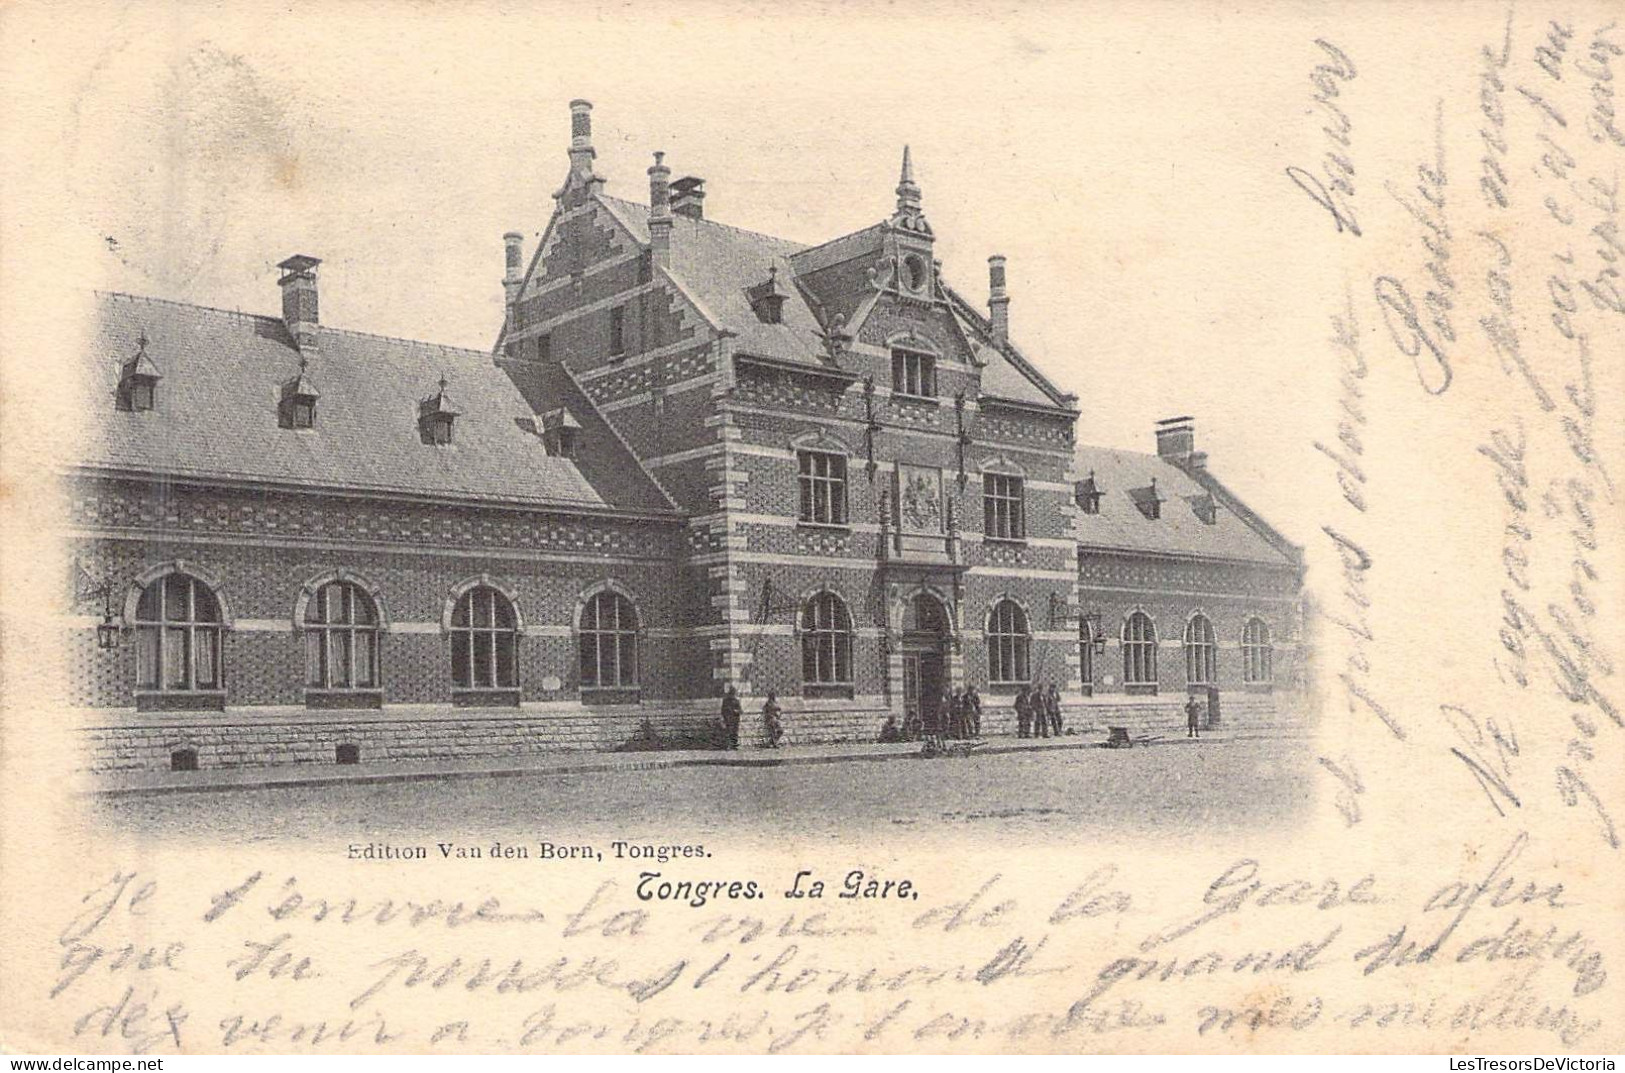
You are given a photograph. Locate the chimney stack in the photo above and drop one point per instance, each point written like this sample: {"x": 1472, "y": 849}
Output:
{"x": 513, "y": 276}
{"x": 1176, "y": 443}
{"x": 660, "y": 211}
{"x": 299, "y": 307}
{"x": 688, "y": 197}
{"x": 998, "y": 302}
{"x": 581, "y": 150}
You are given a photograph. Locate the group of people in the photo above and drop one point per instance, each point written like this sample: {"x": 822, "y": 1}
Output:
{"x": 1038, "y": 712}
{"x": 733, "y": 712}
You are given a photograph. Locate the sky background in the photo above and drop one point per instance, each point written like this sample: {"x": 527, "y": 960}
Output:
{"x": 1156, "y": 249}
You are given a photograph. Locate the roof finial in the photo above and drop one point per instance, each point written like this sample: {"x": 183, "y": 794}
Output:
{"x": 442, "y": 380}
{"x": 141, "y": 343}
{"x": 908, "y": 191}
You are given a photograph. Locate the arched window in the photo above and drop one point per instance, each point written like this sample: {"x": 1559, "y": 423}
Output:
{"x": 1200, "y": 652}
{"x": 609, "y": 642}
{"x": 826, "y": 642}
{"x": 177, "y": 635}
{"x": 1140, "y": 652}
{"x": 341, "y": 638}
{"x": 1007, "y": 644}
{"x": 1257, "y": 656}
{"x": 484, "y": 641}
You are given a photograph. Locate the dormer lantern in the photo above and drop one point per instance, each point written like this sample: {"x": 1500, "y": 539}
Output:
{"x": 767, "y": 299}
{"x": 1149, "y": 500}
{"x": 1205, "y": 507}
{"x": 138, "y": 381}
{"x": 436, "y": 415}
{"x": 561, "y": 433}
{"x": 297, "y": 407}
{"x": 1087, "y": 493}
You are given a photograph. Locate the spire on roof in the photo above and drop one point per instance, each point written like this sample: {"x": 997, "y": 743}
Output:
{"x": 908, "y": 191}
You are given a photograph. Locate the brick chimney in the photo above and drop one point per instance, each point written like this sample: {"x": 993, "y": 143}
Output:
{"x": 513, "y": 276}
{"x": 299, "y": 306}
{"x": 998, "y": 302}
{"x": 688, "y": 197}
{"x": 1176, "y": 443}
{"x": 660, "y": 212}
{"x": 581, "y": 150}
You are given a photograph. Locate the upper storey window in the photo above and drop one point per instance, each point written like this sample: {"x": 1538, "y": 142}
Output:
{"x": 913, "y": 373}
{"x": 1003, "y": 503}
{"x": 823, "y": 488}
{"x": 617, "y": 330}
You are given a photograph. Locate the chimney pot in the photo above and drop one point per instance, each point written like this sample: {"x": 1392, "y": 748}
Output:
{"x": 998, "y": 302}
{"x": 688, "y": 197}
{"x": 660, "y": 211}
{"x": 1176, "y": 443}
{"x": 300, "y": 309}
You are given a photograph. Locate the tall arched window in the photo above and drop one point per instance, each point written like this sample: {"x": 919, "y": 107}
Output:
{"x": 826, "y": 642}
{"x": 1257, "y": 655}
{"x": 1140, "y": 652}
{"x": 484, "y": 641}
{"x": 1200, "y": 652}
{"x": 609, "y": 642}
{"x": 1007, "y": 644}
{"x": 341, "y": 638}
{"x": 177, "y": 636}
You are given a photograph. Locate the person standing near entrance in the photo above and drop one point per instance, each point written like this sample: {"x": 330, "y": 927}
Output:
{"x": 1024, "y": 713}
{"x": 1040, "y": 713}
{"x": 771, "y": 726}
{"x": 1052, "y": 705}
{"x": 956, "y": 714}
{"x": 1193, "y": 713}
{"x": 973, "y": 712}
{"x": 732, "y": 712}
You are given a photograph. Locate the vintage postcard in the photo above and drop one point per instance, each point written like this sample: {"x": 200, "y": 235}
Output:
{"x": 733, "y": 527}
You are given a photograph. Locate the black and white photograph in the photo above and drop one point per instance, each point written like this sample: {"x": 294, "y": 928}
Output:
{"x": 1032, "y": 528}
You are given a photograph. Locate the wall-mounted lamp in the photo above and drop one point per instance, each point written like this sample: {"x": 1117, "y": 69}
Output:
{"x": 1091, "y": 629}
{"x": 87, "y": 587}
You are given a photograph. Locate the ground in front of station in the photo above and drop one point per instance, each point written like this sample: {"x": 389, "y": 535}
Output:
{"x": 1168, "y": 790}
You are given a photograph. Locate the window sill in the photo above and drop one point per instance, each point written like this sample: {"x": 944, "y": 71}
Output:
{"x": 827, "y": 691}
{"x": 917, "y": 400}
{"x": 191, "y": 700}
{"x": 1140, "y": 689}
{"x": 327, "y": 699}
{"x": 1008, "y": 542}
{"x": 825, "y": 527}
{"x": 1259, "y": 687}
{"x": 611, "y": 695}
{"x": 485, "y": 698}
{"x": 1199, "y": 689}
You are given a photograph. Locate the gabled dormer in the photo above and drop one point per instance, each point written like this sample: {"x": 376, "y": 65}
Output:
{"x": 1087, "y": 493}
{"x": 767, "y": 298}
{"x": 138, "y": 381}
{"x": 1148, "y": 500}
{"x": 561, "y": 433}
{"x": 296, "y": 406}
{"x": 436, "y": 416}
{"x": 1205, "y": 507}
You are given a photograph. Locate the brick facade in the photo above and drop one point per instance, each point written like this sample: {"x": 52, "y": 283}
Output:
{"x": 723, "y": 584}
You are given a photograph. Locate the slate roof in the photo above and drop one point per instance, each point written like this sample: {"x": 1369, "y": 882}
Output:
{"x": 716, "y": 265}
{"x": 217, "y": 412}
{"x": 1121, "y": 475}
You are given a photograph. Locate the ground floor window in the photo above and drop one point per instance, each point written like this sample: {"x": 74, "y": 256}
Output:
{"x": 484, "y": 641}
{"x": 826, "y": 641}
{"x": 1257, "y": 656}
{"x": 609, "y": 642}
{"x": 177, "y": 635}
{"x": 1008, "y": 643}
{"x": 1139, "y": 650}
